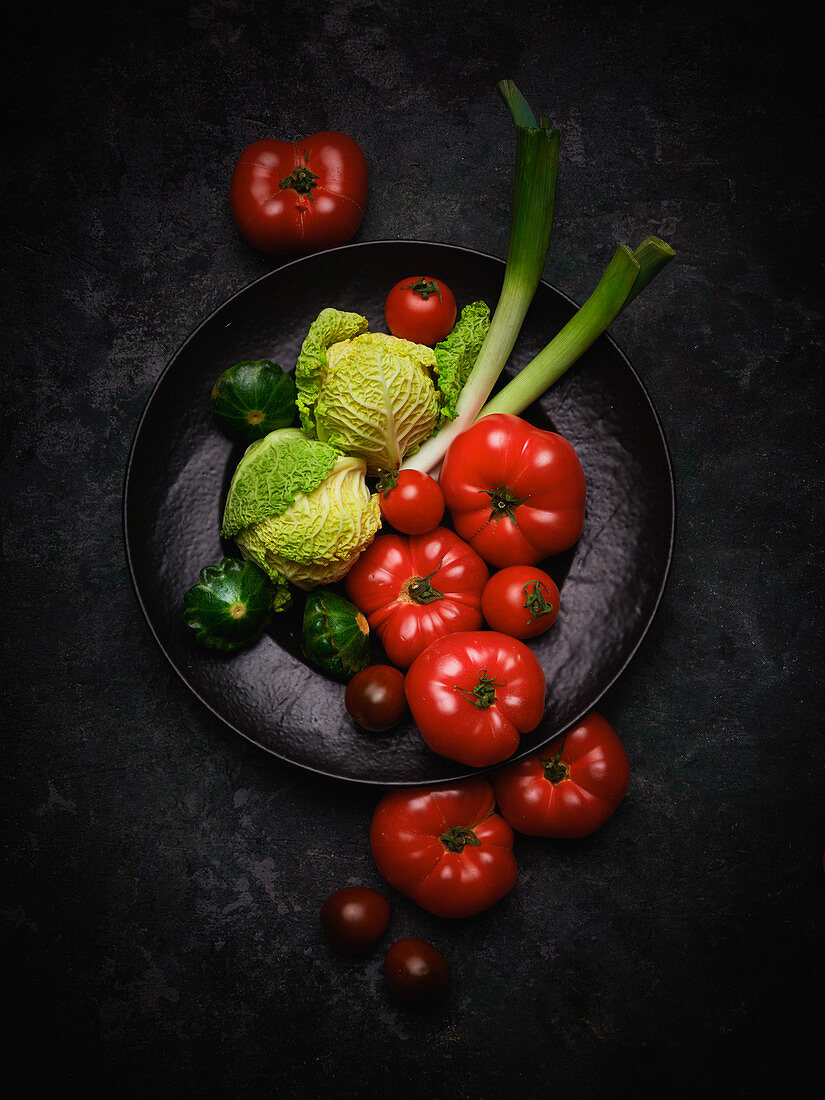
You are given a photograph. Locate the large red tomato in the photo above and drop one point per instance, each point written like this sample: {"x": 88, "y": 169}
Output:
{"x": 445, "y": 847}
{"x": 570, "y": 788}
{"x": 415, "y": 588}
{"x": 473, "y": 694}
{"x": 515, "y": 492}
{"x": 298, "y": 196}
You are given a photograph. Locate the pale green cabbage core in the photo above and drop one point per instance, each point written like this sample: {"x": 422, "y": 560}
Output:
{"x": 378, "y": 399}
{"x": 318, "y": 538}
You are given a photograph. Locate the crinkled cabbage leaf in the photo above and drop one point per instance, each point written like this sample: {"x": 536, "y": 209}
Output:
{"x": 299, "y": 510}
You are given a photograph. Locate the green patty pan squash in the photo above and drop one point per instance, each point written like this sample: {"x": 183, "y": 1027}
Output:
{"x": 336, "y": 635}
{"x": 230, "y": 606}
{"x": 254, "y": 398}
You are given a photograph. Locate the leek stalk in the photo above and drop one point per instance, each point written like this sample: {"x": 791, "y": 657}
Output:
{"x": 625, "y": 276}
{"x": 536, "y": 173}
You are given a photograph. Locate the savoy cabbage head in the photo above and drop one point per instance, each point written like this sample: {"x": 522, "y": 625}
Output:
{"x": 299, "y": 509}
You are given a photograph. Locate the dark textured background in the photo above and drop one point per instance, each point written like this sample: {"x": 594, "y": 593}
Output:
{"x": 162, "y": 877}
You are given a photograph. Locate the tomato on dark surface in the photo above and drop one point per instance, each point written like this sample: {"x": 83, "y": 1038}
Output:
{"x": 374, "y": 697}
{"x": 416, "y": 588}
{"x": 411, "y": 501}
{"x": 417, "y": 973}
{"x": 520, "y": 600}
{"x": 568, "y": 789}
{"x": 420, "y": 308}
{"x": 298, "y": 196}
{"x": 516, "y": 493}
{"x": 445, "y": 847}
{"x": 355, "y": 918}
{"x": 472, "y": 695}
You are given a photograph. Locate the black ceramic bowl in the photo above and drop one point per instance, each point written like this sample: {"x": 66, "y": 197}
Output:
{"x": 180, "y": 464}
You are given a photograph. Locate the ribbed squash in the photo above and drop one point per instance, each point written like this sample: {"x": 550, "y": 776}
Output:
{"x": 230, "y": 606}
{"x": 336, "y": 635}
{"x": 254, "y": 398}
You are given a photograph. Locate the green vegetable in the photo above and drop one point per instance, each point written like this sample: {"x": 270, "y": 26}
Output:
{"x": 336, "y": 636}
{"x": 537, "y": 162}
{"x": 330, "y": 326}
{"x": 253, "y": 398}
{"x": 456, "y": 354}
{"x": 626, "y": 274}
{"x": 230, "y": 606}
{"x": 373, "y": 396}
{"x": 299, "y": 510}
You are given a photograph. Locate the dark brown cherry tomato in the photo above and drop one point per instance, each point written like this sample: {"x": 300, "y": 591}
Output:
{"x": 375, "y": 698}
{"x": 355, "y": 918}
{"x": 417, "y": 973}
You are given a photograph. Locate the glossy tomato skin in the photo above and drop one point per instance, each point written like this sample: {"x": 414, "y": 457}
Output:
{"x": 520, "y": 600}
{"x": 474, "y": 693}
{"x": 299, "y": 196}
{"x": 415, "y": 588}
{"x": 569, "y": 789}
{"x": 516, "y": 493}
{"x": 417, "y": 973}
{"x": 420, "y": 308}
{"x": 413, "y": 504}
{"x": 445, "y": 847}
{"x": 374, "y": 697}
{"x": 355, "y": 918}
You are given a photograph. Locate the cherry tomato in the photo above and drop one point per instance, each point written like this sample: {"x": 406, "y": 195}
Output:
{"x": 516, "y": 493}
{"x": 414, "y": 588}
{"x": 417, "y": 973}
{"x": 445, "y": 847}
{"x": 472, "y": 695}
{"x": 520, "y": 600}
{"x": 571, "y": 787}
{"x": 297, "y": 196}
{"x": 420, "y": 308}
{"x": 375, "y": 698}
{"x": 355, "y": 918}
{"x": 411, "y": 501}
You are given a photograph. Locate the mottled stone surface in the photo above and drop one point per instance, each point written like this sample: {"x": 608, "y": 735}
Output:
{"x": 162, "y": 877}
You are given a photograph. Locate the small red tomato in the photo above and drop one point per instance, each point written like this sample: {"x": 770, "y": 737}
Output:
{"x": 355, "y": 918}
{"x": 417, "y": 973}
{"x": 420, "y": 308}
{"x": 375, "y": 698}
{"x": 570, "y": 788}
{"x": 411, "y": 501}
{"x": 521, "y": 601}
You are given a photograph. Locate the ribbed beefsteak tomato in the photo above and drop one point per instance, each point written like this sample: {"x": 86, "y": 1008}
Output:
{"x": 571, "y": 787}
{"x": 298, "y": 196}
{"x": 413, "y": 589}
{"x": 516, "y": 493}
{"x": 445, "y": 847}
{"x": 474, "y": 693}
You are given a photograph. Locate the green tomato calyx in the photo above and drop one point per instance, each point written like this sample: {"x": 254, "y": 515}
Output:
{"x": 535, "y": 600}
{"x": 419, "y": 589}
{"x": 302, "y": 180}
{"x": 503, "y": 502}
{"x": 457, "y": 837}
{"x": 483, "y": 694}
{"x": 424, "y": 288}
